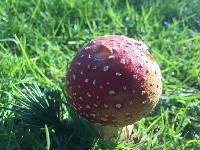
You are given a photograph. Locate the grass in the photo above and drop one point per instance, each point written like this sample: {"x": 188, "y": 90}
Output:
{"x": 39, "y": 38}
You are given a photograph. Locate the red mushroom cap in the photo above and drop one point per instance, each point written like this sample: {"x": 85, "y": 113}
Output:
{"x": 114, "y": 80}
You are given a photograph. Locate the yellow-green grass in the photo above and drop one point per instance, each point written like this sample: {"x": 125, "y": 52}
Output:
{"x": 38, "y": 39}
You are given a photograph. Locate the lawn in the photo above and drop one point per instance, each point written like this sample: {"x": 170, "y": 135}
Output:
{"x": 38, "y": 39}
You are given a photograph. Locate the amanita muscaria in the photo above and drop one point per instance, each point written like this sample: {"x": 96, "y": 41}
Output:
{"x": 113, "y": 81}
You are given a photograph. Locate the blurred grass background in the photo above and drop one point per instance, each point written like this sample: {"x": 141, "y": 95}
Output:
{"x": 38, "y": 39}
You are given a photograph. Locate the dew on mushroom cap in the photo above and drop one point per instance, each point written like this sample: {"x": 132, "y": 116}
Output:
{"x": 89, "y": 95}
{"x": 118, "y": 105}
{"x": 143, "y": 92}
{"x": 93, "y": 115}
{"x": 94, "y": 67}
{"x": 122, "y": 61}
{"x": 104, "y": 119}
{"x": 87, "y": 106}
{"x": 110, "y": 57}
{"x": 106, "y": 116}
{"x": 127, "y": 114}
{"x": 118, "y": 74}
{"x": 74, "y": 77}
{"x": 114, "y": 120}
{"x": 113, "y": 74}
{"x": 111, "y": 92}
{"x": 94, "y": 82}
{"x": 112, "y": 115}
{"x": 114, "y": 49}
{"x": 78, "y": 63}
{"x": 124, "y": 88}
{"x": 107, "y": 83}
{"x": 87, "y": 47}
{"x": 131, "y": 102}
{"x": 86, "y": 80}
{"x": 95, "y": 105}
{"x": 135, "y": 76}
{"x": 105, "y": 68}
{"x": 106, "y": 106}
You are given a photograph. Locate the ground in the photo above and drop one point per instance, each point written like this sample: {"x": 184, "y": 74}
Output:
{"x": 38, "y": 39}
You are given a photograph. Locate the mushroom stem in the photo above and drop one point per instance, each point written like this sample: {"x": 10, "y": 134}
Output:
{"x": 113, "y": 133}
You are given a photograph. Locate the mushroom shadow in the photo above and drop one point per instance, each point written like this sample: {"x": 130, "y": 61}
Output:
{"x": 36, "y": 107}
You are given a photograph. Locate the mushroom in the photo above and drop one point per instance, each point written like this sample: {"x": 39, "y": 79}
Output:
{"x": 113, "y": 81}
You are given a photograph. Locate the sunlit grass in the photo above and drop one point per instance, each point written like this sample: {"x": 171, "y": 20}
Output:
{"x": 38, "y": 39}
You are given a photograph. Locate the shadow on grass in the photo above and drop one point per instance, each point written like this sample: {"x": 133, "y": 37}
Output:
{"x": 37, "y": 107}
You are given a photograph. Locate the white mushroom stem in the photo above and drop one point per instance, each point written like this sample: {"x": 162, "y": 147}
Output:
{"x": 113, "y": 133}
